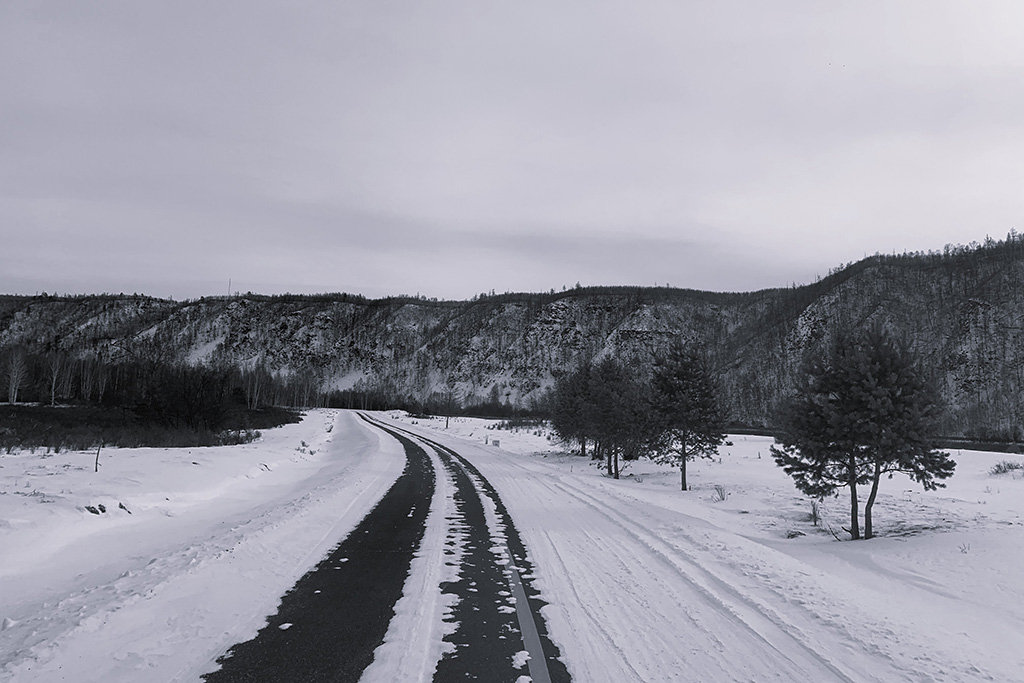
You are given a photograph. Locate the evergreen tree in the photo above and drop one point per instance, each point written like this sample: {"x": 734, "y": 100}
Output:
{"x": 608, "y": 405}
{"x": 687, "y": 406}
{"x": 620, "y": 419}
{"x": 862, "y": 411}
{"x": 571, "y": 411}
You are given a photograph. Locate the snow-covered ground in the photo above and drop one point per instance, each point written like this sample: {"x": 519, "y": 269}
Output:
{"x": 206, "y": 542}
{"x": 645, "y": 582}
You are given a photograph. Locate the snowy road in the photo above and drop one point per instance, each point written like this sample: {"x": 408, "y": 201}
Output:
{"x": 329, "y": 624}
{"x": 495, "y": 593}
{"x": 646, "y": 583}
{"x": 332, "y": 619}
{"x": 696, "y": 623}
{"x": 494, "y": 629}
{"x": 190, "y": 551}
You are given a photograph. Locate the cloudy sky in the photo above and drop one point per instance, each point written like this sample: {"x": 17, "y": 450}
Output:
{"x": 455, "y": 147}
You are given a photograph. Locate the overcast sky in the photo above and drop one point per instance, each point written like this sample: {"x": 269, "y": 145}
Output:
{"x": 454, "y": 147}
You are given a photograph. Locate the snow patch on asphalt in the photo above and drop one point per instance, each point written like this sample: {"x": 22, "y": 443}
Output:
{"x": 520, "y": 659}
{"x": 414, "y": 642}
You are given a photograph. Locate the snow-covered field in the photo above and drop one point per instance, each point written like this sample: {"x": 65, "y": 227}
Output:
{"x": 213, "y": 538}
{"x": 645, "y": 583}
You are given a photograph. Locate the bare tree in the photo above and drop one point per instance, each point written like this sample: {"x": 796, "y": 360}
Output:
{"x": 17, "y": 372}
{"x": 452, "y": 399}
{"x": 86, "y": 378}
{"x": 256, "y": 379}
{"x": 67, "y": 380}
{"x": 54, "y": 369}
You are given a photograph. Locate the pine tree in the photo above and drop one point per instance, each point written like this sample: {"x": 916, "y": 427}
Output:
{"x": 608, "y": 405}
{"x": 687, "y": 406}
{"x": 570, "y": 414}
{"x": 862, "y": 411}
{"x": 620, "y": 419}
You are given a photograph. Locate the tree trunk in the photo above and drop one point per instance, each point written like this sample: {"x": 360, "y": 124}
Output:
{"x": 16, "y": 372}
{"x": 868, "y": 532}
{"x": 682, "y": 465}
{"x": 55, "y": 368}
{"x": 615, "y": 456}
{"x": 854, "y": 512}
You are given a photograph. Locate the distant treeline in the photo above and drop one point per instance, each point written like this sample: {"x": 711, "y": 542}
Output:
{"x": 54, "y": 401}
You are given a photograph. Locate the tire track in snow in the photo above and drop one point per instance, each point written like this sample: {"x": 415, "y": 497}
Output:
{"x": 596, "y": 624}
{"x": 759, "y": 622}
{"x": 829, "y": 654}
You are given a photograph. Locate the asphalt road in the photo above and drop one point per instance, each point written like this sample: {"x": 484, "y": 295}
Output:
{"x": 494, "y": 623}
{"x": 329, "y": 624}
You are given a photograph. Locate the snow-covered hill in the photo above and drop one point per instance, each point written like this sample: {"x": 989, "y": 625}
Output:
{"x": 961, "y": 311}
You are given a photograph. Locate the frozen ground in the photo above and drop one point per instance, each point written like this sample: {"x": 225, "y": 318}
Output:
{"x": 645, "y": 583}
{"x": 214, "y": 537}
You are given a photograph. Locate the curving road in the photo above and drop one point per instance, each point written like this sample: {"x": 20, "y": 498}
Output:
{"x": 330, "y": 624}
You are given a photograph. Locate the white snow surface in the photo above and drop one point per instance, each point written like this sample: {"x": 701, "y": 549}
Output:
{"x": 643, "y": 582}
{"x": 649, "y": 583}
{"x": 214, "y": 538}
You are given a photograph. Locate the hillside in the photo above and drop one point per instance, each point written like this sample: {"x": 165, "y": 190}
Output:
{"x": 961, "y": 310}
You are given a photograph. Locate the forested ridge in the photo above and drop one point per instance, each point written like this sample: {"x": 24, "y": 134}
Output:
{"x": 960, "y": 308}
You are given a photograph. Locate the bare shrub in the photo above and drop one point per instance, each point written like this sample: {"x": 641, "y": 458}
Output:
{"x": 1005, "y": 467}
{"x": 816, "y": 512}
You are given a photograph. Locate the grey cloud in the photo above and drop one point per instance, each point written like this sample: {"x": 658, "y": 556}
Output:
{"x": 540, "y": 143}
